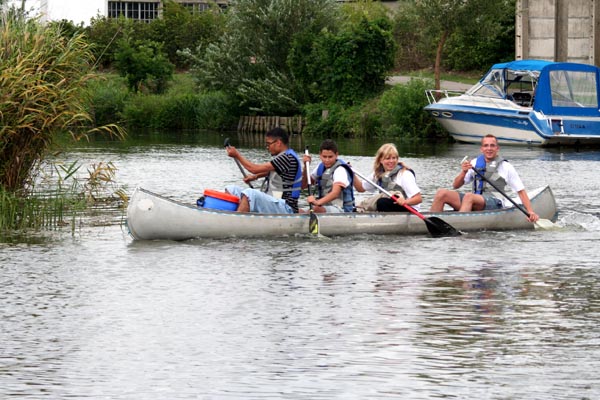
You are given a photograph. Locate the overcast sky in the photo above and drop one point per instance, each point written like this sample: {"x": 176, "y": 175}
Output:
{"x": 73, "y": 10}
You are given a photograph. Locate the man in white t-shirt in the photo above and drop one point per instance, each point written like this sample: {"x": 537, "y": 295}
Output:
{"x": 495, "y": 169}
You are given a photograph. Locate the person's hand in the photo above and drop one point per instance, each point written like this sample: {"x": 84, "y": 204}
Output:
{"x": 533, "y": 217}
{"x": 466, "y": 166}
{"x": 311, "y": 200}
{"x": 306, "y": 158}
{"x": 250, "y": 178}
{"x": 400, "y": 200}
{"x": 232, "y": 152}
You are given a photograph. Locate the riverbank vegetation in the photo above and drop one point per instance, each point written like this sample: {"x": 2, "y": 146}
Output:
{"x": 42, "y": 76}
{"x": 312, "y": 58}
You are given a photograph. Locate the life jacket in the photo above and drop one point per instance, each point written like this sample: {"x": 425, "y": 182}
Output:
{"x": 325, "y": 183}
{"x": 274, "y": 184}
{"x": 489, "y": 170}
{"x": 388, "y": 180}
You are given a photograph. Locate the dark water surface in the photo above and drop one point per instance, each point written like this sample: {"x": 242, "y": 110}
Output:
{"x": 493, "y": 315}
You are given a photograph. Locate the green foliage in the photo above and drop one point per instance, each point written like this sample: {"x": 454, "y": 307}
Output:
{"x": 103, "y": 34}
{"x": 480, "y": 33}
{"x": 402, "y": 113}
{"x": 491, "y": 40}
{"x": 179, "y": 29}
{"x": 47, "y": 211}
{"x": 144, "y": 65}
{"x": 397, "y": 113}
{"x": 415, "y": 50}
{"x": 327, "y": 120}
{"x": 351, "y": 66}
{"x": 176, "y": 30}
{"x": 250, "y": 61}
{"x": 42, "y": 76}
{"x": 107, "y": 98}
{"x": 215, "y": 111}
{"x": 211, "y": 110}
{"x": 275, "y": 92}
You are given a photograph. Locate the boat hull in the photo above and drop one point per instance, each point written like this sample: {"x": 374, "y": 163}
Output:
{"x": 154, "y": 217}
{"x": 469, "y": 124}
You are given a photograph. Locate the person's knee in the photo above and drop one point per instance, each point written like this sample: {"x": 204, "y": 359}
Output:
{"x": 244, "y": 204}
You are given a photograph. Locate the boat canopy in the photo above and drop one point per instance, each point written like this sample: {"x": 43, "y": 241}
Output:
{"x": 549, "y": 87}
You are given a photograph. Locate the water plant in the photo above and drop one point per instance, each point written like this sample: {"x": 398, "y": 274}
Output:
{"x": 42, "y": 75}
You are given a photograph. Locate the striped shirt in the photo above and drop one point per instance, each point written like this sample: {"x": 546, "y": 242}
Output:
{"x": 286, "y": 166}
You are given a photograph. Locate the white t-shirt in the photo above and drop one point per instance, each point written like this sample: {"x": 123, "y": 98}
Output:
{"x": 405, "y": 179}
{"x": 506, "y": 171}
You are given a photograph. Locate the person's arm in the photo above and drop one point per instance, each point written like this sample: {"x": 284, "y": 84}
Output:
{"x": 260, "y": 170}
{"x": 358, "y": 184}
{"x": 334, "y": 194}
{"x": 411, "y": 201}
{"x": 460, "y": 178}
{"x": 527, "y": 204}
{"x": 408, "y": 182}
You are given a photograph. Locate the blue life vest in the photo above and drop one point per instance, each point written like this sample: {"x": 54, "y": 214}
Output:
{"x": 325, "y": 183}
{"x": 489, "y": 170}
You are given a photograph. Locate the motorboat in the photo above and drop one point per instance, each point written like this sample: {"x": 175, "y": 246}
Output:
{"x": 524, "y": 102}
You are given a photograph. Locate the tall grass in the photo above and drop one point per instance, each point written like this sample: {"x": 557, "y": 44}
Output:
{"x": 42, "y": 76}
{"x": 40, "y": 211}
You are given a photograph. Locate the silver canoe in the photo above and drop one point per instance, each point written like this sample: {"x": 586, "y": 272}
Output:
{"x": 153, "y": 217}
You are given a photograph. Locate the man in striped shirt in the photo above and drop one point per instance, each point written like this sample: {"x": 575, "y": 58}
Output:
{"x": 283, "y": 178}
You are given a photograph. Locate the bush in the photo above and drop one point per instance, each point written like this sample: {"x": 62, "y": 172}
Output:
{"x": 180, "y": 111}
{"x": 107, "y": 97}
{"x": 397, "y": 113}
{"x": 402, "y": 113}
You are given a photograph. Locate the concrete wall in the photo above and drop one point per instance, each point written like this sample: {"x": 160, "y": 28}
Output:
{"x": 558, "y": 30}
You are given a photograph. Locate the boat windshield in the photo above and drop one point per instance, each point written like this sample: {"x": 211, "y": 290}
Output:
{"x": 573, "y": 89}
{"x": 517, "y": 85}
{"x": 491, "y": 85}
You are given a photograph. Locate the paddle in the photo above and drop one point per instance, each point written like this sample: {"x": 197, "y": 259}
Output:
{"x": 540, "y": 223}
{"x": 226, "y": 144}
{"x": 313, "y": 224}
{"x": 436, "y": 226}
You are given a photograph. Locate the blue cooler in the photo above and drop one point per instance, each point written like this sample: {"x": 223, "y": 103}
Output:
{"x": 219, "y": 200}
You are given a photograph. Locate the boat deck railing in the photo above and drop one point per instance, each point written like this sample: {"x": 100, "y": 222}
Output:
{"x": 434, "y": 95}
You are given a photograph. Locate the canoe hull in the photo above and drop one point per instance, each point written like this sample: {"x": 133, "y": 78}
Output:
{"x": 154, "y": 217}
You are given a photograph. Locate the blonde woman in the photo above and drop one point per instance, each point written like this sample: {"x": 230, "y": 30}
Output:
{"x": 394, "y": 176}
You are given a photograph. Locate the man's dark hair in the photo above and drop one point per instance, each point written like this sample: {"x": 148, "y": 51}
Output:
{"x": 278, "y": 134}
{"x": 328, "y": 144}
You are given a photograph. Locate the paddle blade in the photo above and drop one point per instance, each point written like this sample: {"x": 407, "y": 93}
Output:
{"x": 439, "y": 228}
{"x": 545, "y": 224}
{"x": 313, "y": 224}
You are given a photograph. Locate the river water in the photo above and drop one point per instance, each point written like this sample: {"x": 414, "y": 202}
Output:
{"x": 492, "y": 315}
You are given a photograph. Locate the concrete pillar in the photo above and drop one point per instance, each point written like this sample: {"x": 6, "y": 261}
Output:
{"x": 595, "y": 40}
{"x": 522, "y": 30}
{"x": 561, "y": 29}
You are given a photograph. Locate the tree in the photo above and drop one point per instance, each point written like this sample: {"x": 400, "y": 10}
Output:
{"x": 250, "y": 62}
{"x": 445, "y": 17}
{"x": 351, "y": 65}
{"x": 143, "y": 64}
